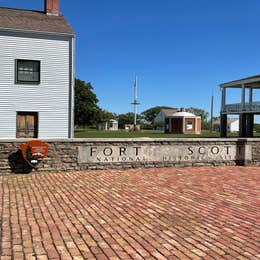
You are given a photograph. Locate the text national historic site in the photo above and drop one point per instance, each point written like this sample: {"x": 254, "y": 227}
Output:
{"x": 153, "y": 153}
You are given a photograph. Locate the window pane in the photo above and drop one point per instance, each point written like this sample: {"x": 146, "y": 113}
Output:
{"x": 28, "y": 76}
{"x": 189, "y": 125}
{"x": 28, "y": 71}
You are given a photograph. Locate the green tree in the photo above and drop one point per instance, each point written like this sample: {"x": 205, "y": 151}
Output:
{"x": 150, "y": 114}
{"x": 87, "y": 112}
{"x": 202, "y": 113}
{"x": 257, "y": 128}
{"x": 105, "y": 115}
{"x": 123, "y": 119}
{"x": 159, "y": 124}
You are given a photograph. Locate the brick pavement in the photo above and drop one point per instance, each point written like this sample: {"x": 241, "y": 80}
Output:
{"x": 169, "y": 213}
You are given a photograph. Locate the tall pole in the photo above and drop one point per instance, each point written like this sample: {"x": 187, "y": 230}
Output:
{"x": 135, "y": 99}
{"x": 211, "y": 120}
{"x": 135, "y": 103}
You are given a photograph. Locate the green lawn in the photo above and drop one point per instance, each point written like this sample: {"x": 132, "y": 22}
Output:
{"x": 91, "y": 133}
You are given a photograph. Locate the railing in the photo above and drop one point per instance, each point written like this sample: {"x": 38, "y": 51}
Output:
{"x": 239, "y": 108}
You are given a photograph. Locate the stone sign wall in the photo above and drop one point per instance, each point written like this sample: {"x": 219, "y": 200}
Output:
{"x": 164, "y": 153}
{"x": 82, "y": 154}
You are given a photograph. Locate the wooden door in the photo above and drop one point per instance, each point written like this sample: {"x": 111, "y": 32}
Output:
{"x": 27, "y": 125}
{"x": 177, "y": 125}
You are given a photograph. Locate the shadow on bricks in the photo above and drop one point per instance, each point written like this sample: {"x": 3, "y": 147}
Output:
{"x": 18, "y": 164}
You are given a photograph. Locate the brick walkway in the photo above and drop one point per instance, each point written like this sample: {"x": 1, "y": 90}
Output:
{"x": 189, "y": 213}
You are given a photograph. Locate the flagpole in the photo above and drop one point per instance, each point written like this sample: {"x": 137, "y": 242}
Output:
{"x": 211, "y": 120}
{"x": 135, "y": 103}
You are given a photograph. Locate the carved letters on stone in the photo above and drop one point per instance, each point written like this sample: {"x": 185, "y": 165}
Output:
{"x": 162, "y": 153}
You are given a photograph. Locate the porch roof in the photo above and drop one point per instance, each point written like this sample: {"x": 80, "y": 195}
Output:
{"x": 250, "y": 82}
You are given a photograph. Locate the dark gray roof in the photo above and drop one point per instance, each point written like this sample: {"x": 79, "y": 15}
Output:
{"x": 253, "y": 81}
{"x": 26, "y": 20}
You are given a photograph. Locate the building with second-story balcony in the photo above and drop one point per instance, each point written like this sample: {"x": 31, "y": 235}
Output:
{"x": 246, "y": 109}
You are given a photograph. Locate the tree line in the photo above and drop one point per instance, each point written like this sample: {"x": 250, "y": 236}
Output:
{"x": 89, "y": 114}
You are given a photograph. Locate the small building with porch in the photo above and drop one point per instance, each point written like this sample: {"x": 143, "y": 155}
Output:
{"x": 111, "y": 125}
{"x": 183, "y": 123}
{"x": 246, "y": 109}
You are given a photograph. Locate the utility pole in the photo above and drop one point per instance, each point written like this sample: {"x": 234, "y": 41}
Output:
{"x": 135, "y": 103}
{"x": 211, "y": 119}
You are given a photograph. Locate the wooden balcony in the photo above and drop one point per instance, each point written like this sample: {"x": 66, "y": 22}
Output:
{"x": 238, "y": 108}
{"x": 246, "y": 109}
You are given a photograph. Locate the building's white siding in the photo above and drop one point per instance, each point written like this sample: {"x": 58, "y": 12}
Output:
{"x": 234, "y": 126}
{"x": 160, "y": 117}
{"x": 50, "y": 98}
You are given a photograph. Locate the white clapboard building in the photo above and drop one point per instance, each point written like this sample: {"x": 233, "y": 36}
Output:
{"x": 232, "y": 125}
{"x": 159, "y": 120}
{"x": 36, "y": 73}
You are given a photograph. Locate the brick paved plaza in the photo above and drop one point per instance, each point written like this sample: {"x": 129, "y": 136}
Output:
{"x": 170, "y": 213}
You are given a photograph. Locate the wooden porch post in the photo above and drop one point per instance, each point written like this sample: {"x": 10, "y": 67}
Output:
{"x": 243, "y": 97}
{"x": 250, "y": 98}
{"x": 223, "y": 100}
{"x": 223, "y": 117}
{"x": 223, "y": 125}
{"x": 242, "y": 125}
{"x": 251, "y": 95}
{"x": 250, "y": 125}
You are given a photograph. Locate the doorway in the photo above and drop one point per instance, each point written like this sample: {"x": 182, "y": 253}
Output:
{"x": 177, "y": 125}
{"x": 27, "y": 125}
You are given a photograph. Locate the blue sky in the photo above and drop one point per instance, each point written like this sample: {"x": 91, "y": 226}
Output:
{"x": 181, "y": 50}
